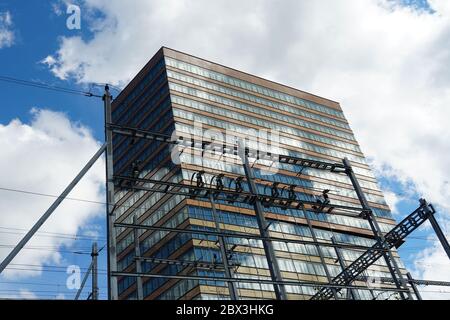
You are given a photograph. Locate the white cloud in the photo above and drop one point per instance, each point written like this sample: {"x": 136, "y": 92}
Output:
{"x": 392, "y": 200}
{"x": 388, "y": 65}
{"x": 432, "y": 264}
{"x": 44, "y": 156}
{"x": 6, "y": 34}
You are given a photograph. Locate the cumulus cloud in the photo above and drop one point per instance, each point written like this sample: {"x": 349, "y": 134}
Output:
{"x": 6, "y": 33}
{"x": 432, "y": 264}
{"x": 43, "y": 157}
{"x": 387, "y": 63}
{"x": 392, "y": 200}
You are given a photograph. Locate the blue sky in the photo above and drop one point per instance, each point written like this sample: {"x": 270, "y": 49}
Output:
{"x": 37, "y": 29}
{"x": 39, "y": 32}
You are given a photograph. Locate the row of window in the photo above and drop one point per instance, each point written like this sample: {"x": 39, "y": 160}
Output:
{"x": 178, "y": 290}
{"x": 239, "y": 105}
{"x": 321, "y": 217}
{"x": 129, "y": 116}
{"x": 150, "y": 201}
{"x": 250, "y": 134}
{"x": 279, "y": 226}
{"x": 252, "y": 87}
{"x": 156, "y": 127}
{"x": 260, "y": 262}
{"x": 226, "y": 166}
{"x": 181, "y": 127}
{"x": 175, "y": 291}
{"x": 249, "y": 260}
{"x": 165, "y": 251}
{"x": 337, "y": 177}
{"x": 151, "y": 240}
{"x": 138, "y": 194}
{"x": 130, "y": 119}
{"x": 120, "y": 166}
{"x": 264, "y": 190}
{"x": 260, "y": 122}
{"x": 122, "y": 142}
{"x": 257, "y": 100}
{"x": 363, "y": 294}
{"x": 247, "y": 130}
{"x": 250, "y": 221}
{"x": 149, "y": 77}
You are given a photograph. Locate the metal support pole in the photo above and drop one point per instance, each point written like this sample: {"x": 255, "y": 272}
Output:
{"x": 50, "y": 210}
{"x": 319, "y": 250}
{"x": 272, "y": 261}
{"x": 83, "y": 282}
{"x": 440, "y": 234}
{"x": 368, "y": 214}
{"x": 94, "y": 256}
{"x": 138, "y": 261}
{"x": 223, "y": 252}
{"x": 110, "y": 206}
{"x": 372, "y": 294}
{"x": 414, "y": 286}
{"x": 340, "y": 259}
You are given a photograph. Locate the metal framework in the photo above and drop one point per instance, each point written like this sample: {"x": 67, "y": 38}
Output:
{"x": 198, "y": 189}
{"x": 226, "y": 194}
{"x": 393, "y": 239}
{"x": 93, "y": 271}
{"x": 382, "y": 248}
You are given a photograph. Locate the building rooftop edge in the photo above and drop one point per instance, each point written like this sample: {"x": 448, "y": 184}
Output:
{"x": 165, "y": 48}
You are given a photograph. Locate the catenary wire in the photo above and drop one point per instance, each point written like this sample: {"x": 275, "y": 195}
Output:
{"x": 118, "y": 206}
{"x": 41, "y": 85}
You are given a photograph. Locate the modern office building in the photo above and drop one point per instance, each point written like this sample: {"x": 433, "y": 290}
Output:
{"x": 177, "y": 91}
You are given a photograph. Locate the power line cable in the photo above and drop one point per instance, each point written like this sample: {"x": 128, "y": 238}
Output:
{"x": 50, "y": 250}
{"x": 41, "y": 85}
{"x": 73, "y": 199}
{"x": 45, "y": 284}
{"x": 29, "y": 269}
{"x": 55, "y": 233}
{"x": 74, "y": 237}
{"x": 48, "y": 266}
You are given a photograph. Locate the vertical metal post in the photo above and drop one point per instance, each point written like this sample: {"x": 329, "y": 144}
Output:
{"x": 111, "y": 216}
{"x": 439, "y": 232}
{"x": 83, "y": 282}
{"x": 138, "y": 261}
{"x": 413, "y": 285}
{"x": 94, "y": 255}
{"x": 319, "y": 250}
{"x": 372, "y": 294}
{"x": 272, "y": 261}
{"x": 388, "y": 256}
{"x": 50, "y": 210}
{"x": 223, "y": 252}
{"x": 340, "y": 259}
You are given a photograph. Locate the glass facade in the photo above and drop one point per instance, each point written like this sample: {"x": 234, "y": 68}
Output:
{"x": 176, "y": 92}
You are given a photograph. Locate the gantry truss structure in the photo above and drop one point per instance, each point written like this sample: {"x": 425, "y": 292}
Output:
{"x": 284, "y": 198}
{"x": 198, "y": 188}
{"x": 242, "y": 189}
